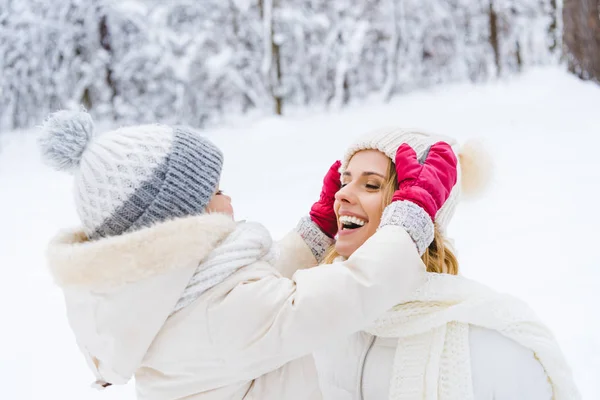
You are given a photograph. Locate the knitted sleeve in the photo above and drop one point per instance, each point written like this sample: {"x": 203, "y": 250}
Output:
{"x": 413, "y": 219}
{"x": 315, "y": 239}
{"x": 303, "y": 247}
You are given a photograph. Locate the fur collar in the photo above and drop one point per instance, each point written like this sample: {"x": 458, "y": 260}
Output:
{"x": 76, "y": 261}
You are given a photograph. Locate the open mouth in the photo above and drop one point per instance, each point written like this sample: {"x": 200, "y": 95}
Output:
{"x": 349, "y": 223}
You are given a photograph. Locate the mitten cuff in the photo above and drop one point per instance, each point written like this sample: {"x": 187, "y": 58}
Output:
{"x": 413, "y": 219}
{"x": 317, "y": 240}
{"x": 420, "y": 196}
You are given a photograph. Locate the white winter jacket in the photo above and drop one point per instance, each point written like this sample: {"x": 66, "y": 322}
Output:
{"x": 249, "y": 337}
{"x": 453, "y": 339}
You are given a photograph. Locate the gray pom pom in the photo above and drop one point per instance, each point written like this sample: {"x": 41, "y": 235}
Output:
{"x": 65, "y": 137}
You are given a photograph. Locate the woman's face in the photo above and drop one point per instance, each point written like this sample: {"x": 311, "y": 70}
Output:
{"x": 220, "y": 203}
{"x": 359, "y": 203}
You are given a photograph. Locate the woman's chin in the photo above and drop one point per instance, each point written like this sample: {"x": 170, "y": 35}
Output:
{"x": 345, "y": 247}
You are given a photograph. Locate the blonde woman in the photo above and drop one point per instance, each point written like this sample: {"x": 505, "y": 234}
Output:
{"x": 451, "y": 339}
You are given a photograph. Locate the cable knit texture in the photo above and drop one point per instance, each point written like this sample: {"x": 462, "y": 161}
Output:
{"x": 413, "y": 219}
{"x": 432, "y": 357}
{"x": 249, "y": 243}
{"x": 314, "y": 237}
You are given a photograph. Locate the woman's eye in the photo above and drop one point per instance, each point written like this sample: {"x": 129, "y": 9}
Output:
{"x": 219, "y": 192}
{"x": 373, "y": 186}
{"x": 343, "y": 184}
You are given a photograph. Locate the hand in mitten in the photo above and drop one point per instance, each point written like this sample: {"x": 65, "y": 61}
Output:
{"x": 423, "y": 188}
{"x": 322, "y": 213}
{"x": 426, "y": 183}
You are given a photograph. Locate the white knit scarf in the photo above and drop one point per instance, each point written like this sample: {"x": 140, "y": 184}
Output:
{"x": 432, "y": 359}
{"x": 247, "y": 244}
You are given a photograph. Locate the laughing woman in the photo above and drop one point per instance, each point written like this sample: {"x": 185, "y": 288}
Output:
{"x": 453, "y": 338}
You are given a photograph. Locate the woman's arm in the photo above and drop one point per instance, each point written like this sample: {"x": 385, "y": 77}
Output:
{"x": 281, "y": 319}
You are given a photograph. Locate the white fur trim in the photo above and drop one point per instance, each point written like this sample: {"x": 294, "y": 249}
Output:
{"x": 74, "y": 260}
{"x": 477, "y": 168}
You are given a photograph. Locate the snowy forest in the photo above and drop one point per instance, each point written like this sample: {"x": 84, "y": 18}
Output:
{"x": 197, "y": 62}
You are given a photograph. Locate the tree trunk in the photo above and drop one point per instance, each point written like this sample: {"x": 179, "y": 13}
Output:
{"x": 494, "y": 37}
{"x": 105, "y": 43}
{"x": 553, "y": 28}
{"x": 277, "y": 72}
{"x": 273, "y": 72}
{"x": 581, "y": 21}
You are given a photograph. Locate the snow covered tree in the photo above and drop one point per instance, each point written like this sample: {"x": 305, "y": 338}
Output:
{"x": 230, "y": 71}
{"x": 436, "y": 46}
{"x": 523, "y": 28}
{"x": 50, "y": 58}
{"x": 336, "y": 52}
{"x": 197, "y": 62}
{"x": 332, "y": 52}
{"x": 187, "y": 61}
{"x": 146, "y": 87}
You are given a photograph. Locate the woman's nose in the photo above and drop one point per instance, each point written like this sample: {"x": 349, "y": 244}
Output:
{"x": 344, "y": 194}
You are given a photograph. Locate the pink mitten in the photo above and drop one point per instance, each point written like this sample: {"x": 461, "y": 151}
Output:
{"x": 322, "y": 213}
{"x": 428, "y": 183}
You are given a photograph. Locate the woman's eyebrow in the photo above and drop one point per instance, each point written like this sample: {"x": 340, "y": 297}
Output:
{"x": 366, "y": 173}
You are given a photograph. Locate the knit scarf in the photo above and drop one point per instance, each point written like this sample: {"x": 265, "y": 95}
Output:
{"x": 432, "y": 359}
{"x": 247, "y": 244}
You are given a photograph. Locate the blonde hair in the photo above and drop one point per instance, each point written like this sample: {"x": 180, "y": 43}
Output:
{"x": 438, "y": 257}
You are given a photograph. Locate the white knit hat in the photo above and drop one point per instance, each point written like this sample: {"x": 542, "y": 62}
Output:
{"x": 474, "y": 165}
{"x": 132, "y": 177}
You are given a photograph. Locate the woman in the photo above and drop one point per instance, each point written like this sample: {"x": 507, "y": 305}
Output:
{"x": 161, "y": 284}
{"x": 452, "y": 338}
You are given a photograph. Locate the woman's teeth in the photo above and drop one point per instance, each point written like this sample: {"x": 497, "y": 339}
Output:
{"x": 349, "y": 222}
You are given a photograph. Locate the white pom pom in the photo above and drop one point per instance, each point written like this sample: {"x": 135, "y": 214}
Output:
{"x": 476, "y": 168}
{"x": 65, "y": 137}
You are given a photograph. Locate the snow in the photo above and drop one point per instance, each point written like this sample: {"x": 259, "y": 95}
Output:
{"x": 533, "y": 234}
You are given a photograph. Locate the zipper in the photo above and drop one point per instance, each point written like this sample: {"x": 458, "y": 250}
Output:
{"x": 362, "y": 367}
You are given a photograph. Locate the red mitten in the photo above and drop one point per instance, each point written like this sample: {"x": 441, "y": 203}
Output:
{"x": 322, "y": 212}
{"x": 426, "y": 184}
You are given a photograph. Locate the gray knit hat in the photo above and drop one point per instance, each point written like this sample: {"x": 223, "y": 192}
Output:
{"x": 134, "y": 176}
